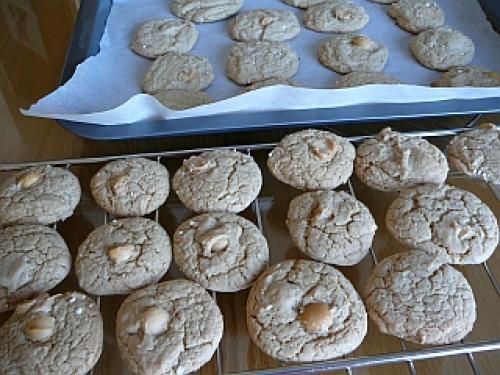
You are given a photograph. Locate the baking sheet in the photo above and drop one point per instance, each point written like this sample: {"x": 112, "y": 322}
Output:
{"x": 105, "y": 88}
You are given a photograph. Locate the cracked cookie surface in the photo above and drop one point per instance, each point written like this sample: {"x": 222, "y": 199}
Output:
{"x": 122, "y": 256}
{"x": 61, "y": 334}
{"x": 392, "y": 161}
{"x": 312, "y": 160}
{"x": 169, "y": 328}
{"x": 218, "y": 181}
{"x": 205, "y": 10}
{"x": 33, "y": 259}
{"x": 417, "y": 297}
{"x": 301, "y": 311}
{"x": 445, "y": 220}
{"x": 222, "y": 252}
{"x": 130, "y": 187}
{"x": 331, "y": 227}
{"x": 473, "y": 76}
{"x": 363, "y": 78}
{"x": 477, "y": 152}
{"x": 417, "y": 15}
{"x": 337, "y": 16}
{"x": 39, "y": 195}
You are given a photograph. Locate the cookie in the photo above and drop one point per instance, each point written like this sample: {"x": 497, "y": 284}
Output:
{"x": 444, "y": 220}
{"x": 336, "y": 16}
{"x": 61, "y": 334}
{"x": 417, "y": 297}
{"x": 178, "y": 71}
{"x": 477, "y": 152}
{"x": 39, "y": 195}
{"x": 182, "y": 99}
{"x": 157, "y": 37}
{"x": 383, "y": 1}
{"x": 169, "y": 328}
{"x": 218, "y": 181}
{"x": 205, "y": 10}
{"x": 122, "y": 256}
{"x": 312, "y": 160}
{"x": 331, "y": 227}
{"x": 468, "y": 76}
{"x": 270, "y": 82}
{"x": 416, "y": 15}
{"x": 130, "y": 187}
{"x": 302, "y": 3}
{"x": 361, "y": 78}
{"x": 33, "y": 259}
{"x": 264, "y": 24}
{"x": 222, "y": 252}
{"x": 392, "y": 161}
{"x": 302, "y": 311}
{"x": 348, "y": 53}
{"x": 442, "y": 48}
{"x": 250, "y": 62}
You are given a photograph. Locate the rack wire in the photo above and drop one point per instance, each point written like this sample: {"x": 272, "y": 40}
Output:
{"x": 347, "y": 364}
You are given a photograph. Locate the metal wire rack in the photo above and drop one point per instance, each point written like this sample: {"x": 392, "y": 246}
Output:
{"x": 347, "y": 364}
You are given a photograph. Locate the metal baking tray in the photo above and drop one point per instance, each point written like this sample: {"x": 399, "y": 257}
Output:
{"x": 87, "y": 34}
{"x": 479, "y": 353}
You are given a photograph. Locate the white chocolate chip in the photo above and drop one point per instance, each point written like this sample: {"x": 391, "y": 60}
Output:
{"x": 324, "y": 151}
{"x": 40, "y": 328}
{"x": 317, "y": 317}
{"x": 29, "y": 179}
{"x": 199, "y": 164}
{"x": 362, "y": 42}
{"x": 154, "y": 321}
{"x": 121, "y": 253}
{"x": 487, "y": 126}
{"x": 116, "y": 182}
{"x": 342, "y": 15}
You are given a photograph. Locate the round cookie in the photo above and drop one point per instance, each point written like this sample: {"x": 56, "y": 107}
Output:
{"x": 178, "y": 71}
{"x": 122, "y": 256}
{"x": 348, "y": 53}
{"x": 61, "y": 334}
{"x": 383, "y": 1}
{"x": 336, "y": 16}
{"x": 250, "y": 62}
{"x": 362, "y": 78}
{"x": 392, "y": 161}
{"x": 222, "y": 252}
{"x": 302, "y": 3}
{"x": 442, "y": 48}
{"x": 331, "y": 227}
{"x": 444, "y": 220}
{"x": 312, "y": 160}
{"x": 157, "y": 37}
{"x": 270, "y": 82}
{"x": 39, "y": 195}
{"x": 468, "y": 76}
{"x": 33, "y": 259}
{"x": 182, "y": 99}
{"x": 222, "y": 180}
{"x": 130, "y": 187}
{"x": 205, "y": 10}
{"x": 169, "y": 328}
{"x": 264, "y": 24}
{"x": 477, "y": 152}
{"x": 417, "y": 297}
{"x": 301, "y": 311}
{"x": 417, "y": 15}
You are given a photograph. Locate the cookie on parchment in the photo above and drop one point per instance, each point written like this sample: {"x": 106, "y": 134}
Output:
{"x": 417, "y": 15}
{"x": 169, "y": 328}
{"x": 331, "y": 227}
{"x": 392, "y": 161}
{"x": 39, "y": 195}
{"x": 349, "y": 53}
{"x": 442, "y": 48}
{"x": 417, "y": 297}
{"x": 182, "y": 99}
{"x": 33, "y": 259}
{"x": 223, "y": 252}
{"x": 264, "y": 24}
{"x": 130, "y": 187}
{"x": 205, "y": 10}
{"x": 157, "y": 37}
{"x": 312, "y": 160}
{"x": 301, "y": 311}
{"x": 462, "y": 76}
{"x": 61, "y": 334}
{"x": 444, "y": 220}
{"x": 362, "y": 78}
{"x": 302, "y": 3}
{"x": 178, "y": 71}
{"x": 221, "y": 180}
{"x": 122, "y": 256}
{"x": 270, "y": 82}
{"x": 337, "y": 16}
{"x": 477, "y": 152}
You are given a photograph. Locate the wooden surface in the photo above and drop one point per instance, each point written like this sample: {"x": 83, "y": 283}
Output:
{"x": 33, "y": 39}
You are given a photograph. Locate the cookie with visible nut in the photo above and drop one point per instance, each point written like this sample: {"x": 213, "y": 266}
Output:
{"x": 473, "y": 76}
{"x": 60, "y": 334}
{"x": 122, "y": 256}
{"x": 205, "y": 10}
{"x": 39, "y": 195}
{"x": 302, "y": 311}
{"x": 417, "y": 15}
{"x": 337, "y": 16}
